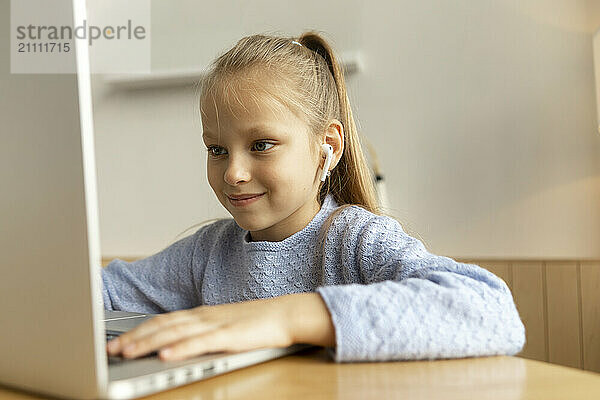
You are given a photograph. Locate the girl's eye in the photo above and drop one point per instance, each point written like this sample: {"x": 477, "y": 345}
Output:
{"x": 214, "y": 151}
{"x": 210, "y": 151}
{"x": 260, "y": 146}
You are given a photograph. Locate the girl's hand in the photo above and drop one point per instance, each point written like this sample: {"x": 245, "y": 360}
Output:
{"x": 227, "y": 327}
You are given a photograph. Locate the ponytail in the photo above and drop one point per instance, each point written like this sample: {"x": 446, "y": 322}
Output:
{"x": 351, "y": 181}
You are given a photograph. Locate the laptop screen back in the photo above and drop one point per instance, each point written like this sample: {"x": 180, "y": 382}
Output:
{"x": 48, "y": 233}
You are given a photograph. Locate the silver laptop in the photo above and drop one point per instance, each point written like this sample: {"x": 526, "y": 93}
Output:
{"x": 52, "y": 323}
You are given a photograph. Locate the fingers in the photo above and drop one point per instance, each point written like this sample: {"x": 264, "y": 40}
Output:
{"x": 212, "y": 341}
{"x": 164, "y": 337}
{"x": 156, "y": 324}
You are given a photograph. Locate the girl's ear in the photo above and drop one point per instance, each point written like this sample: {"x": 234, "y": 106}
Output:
{"x": 334, "y": 136}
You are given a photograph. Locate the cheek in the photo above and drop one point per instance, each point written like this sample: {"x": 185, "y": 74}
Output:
{"x": 296, "y": 173}
{"x": 212, "y": 174}
{"x": 271, "y": 173}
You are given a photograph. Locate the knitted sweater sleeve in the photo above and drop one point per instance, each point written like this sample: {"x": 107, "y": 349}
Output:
{"x": 415, "y": 305}
{"x": 156, "y": 284}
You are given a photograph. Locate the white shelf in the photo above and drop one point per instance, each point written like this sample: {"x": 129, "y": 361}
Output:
{"x": 351, "y": 63}
{"x": 172, "y": 78}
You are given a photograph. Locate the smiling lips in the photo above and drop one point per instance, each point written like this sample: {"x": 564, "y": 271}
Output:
{"x": 243, "y": 196}
{"x": 242, "y": 200}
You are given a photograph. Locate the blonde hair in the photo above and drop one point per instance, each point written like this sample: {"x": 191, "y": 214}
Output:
{"x": 307, "y": 78}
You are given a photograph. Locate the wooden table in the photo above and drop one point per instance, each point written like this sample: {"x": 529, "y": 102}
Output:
{"x": 311, "y": 374}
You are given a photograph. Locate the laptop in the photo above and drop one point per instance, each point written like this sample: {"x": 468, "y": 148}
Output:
{"x": 54, "y": 327}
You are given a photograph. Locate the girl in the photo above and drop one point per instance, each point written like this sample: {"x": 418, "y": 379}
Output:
{"x": 301, "y": 261}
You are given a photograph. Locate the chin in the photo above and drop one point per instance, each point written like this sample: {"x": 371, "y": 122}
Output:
{"x": 250, "y": 225}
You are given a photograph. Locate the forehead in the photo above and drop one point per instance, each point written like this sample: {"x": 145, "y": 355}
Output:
{"x": 250, "y": 99}
{"x": 217, "y": 110}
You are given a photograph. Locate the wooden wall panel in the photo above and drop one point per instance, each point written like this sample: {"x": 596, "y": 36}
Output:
{"x": 564, "y": 321}
{"x": 529, "y": 294}
{"x": 501, "y": 269}
{"x": 590, "y": 295}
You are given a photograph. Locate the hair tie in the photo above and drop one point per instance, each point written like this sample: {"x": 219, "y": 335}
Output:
{"x": 299, "y": 44}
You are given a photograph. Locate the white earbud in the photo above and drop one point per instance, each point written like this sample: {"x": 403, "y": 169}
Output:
{"x": 329, "y": 156}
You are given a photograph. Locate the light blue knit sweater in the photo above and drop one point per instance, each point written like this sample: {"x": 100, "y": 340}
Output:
{"x": 389, "y": 298}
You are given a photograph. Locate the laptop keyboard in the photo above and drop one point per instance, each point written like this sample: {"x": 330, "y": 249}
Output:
{"x": 119, "y": 359}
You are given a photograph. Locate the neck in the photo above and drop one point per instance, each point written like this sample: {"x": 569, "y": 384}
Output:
{"x": 294, "y": 223}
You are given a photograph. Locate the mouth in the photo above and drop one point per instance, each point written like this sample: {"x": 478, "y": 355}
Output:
{"x": 244, "y": 196}
{"x": 245, "y": 199}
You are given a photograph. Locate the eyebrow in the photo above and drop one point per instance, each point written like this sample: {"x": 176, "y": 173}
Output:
{"x": 254, "y": 131}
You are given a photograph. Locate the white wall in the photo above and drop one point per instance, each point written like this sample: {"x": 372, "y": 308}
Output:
{"x": 483, "y": 114}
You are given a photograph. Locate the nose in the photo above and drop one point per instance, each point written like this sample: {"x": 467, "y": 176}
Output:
{"x": 237, "y": 171}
